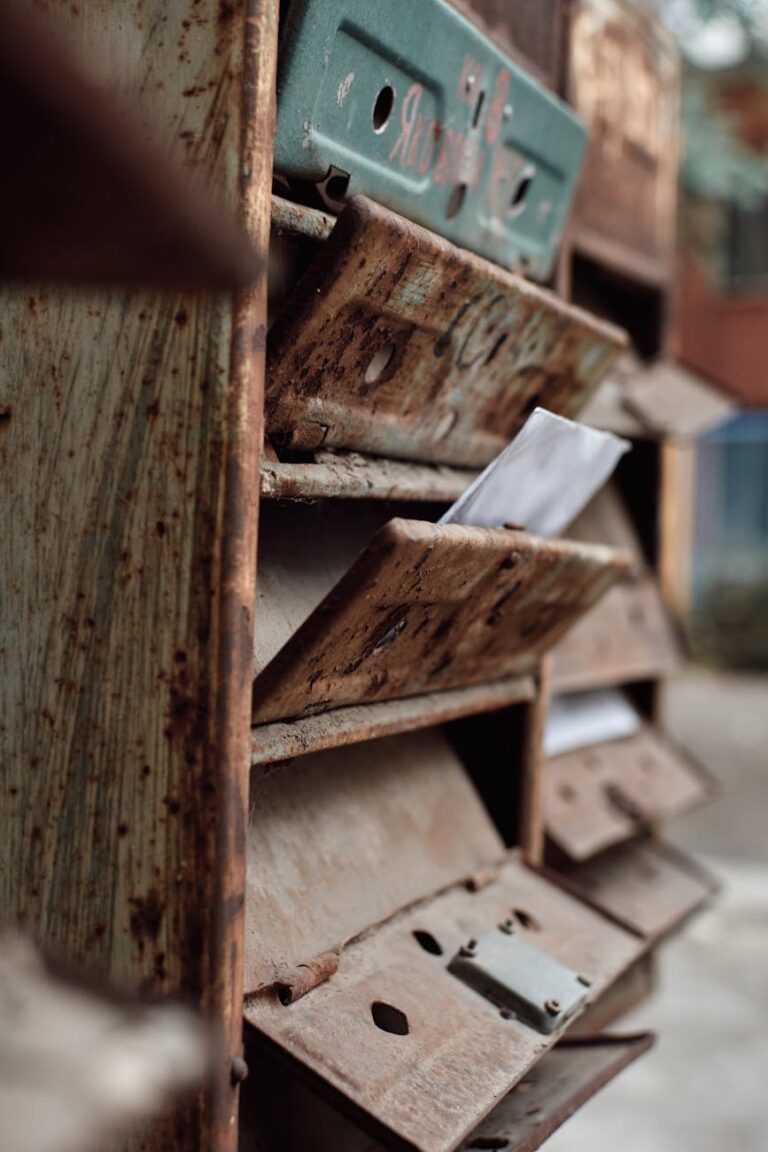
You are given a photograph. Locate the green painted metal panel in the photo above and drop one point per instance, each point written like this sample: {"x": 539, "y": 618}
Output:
{"x": 425, "y": 115}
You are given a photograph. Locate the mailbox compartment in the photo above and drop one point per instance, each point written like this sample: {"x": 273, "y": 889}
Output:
{"x": 602, "y": 795}
{"x": 396, "y": 343}
{"x": 371, "y": 869}
{"x": 411, "y": 105}
{"x": 423, "y": 608}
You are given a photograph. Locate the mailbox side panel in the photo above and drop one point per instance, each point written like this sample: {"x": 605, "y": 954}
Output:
{"x": 129, "y": 458}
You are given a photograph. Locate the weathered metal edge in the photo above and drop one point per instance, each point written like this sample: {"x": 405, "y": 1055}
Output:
{"x": 284, "y": 740}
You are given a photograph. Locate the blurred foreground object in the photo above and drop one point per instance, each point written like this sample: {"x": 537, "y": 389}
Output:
{"x": 84, "y": 197}
{"x": 76, "y": 1065}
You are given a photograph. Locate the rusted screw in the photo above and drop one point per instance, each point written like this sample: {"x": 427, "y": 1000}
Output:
{"x": 507, "y": 926}
{"x": 468, "y": 949}
{"x": 239, "y": 1070}
{"x": 553, "y": 1007}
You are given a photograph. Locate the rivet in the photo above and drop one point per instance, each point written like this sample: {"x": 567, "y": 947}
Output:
{"x": 507, "y": 113}
{"x": 553, "y": 1007}
{"x": 468, "y": 949}
{"x": 507, "y": 926}
{"x": 239, "y": 1070}
{"x": 471, "y": 81}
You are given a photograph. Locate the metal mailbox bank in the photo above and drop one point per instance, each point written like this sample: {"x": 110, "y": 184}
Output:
{"x": 275, "y": 741}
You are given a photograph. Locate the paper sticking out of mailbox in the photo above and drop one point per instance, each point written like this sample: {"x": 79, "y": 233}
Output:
{"x": 582, "y": 719}
{"x": 543, "y": 478}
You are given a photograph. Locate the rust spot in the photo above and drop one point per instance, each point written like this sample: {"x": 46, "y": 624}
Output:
{"x": 146, "y": 917}
{"x": 5, "y": 413}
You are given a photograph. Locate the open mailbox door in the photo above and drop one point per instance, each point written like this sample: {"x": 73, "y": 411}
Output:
{"x": 429, "y": 607}
{"x": 397, "y": 956}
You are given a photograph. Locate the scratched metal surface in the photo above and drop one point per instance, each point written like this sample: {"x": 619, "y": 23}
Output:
{"x": 646, "y": 886}
{"x": 427, "y": 1090}
{"x": 423, "y": 113}
{"x": 603, "y": 795}
{"x": 397, "y": 343}
{"x": 427, "y": 607}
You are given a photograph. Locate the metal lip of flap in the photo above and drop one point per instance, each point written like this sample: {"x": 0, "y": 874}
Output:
{"x": 521, "y": 979}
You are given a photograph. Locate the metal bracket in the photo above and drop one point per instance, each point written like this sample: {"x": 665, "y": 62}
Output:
{"x": 521, "y": 979}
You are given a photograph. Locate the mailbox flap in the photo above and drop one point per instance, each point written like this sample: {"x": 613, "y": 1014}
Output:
{"x": 605, "y": 794}
{"x": 418, "y": 1055}
{"x": 428, "y": 607}
{"x": 647, "y": 886}
{"x": 342, "y": 839}
{"x": 394, "y": 342}
{"x": 411, "y": 105}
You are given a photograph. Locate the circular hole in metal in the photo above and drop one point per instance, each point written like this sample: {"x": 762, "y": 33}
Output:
{"x": 519, "y": 197}
{"x": 389, "y": 1019}
{"x": 380, "y": 361}
{"x": 382, "y": 109}
{"x": 427, "y": 942}
{"x": 526, "y": 920}
{"x": 456, "y": 201}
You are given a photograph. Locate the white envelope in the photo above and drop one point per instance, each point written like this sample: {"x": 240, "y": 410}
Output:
{"x": 585, "y": 718}
{"x": 543, "y": 478}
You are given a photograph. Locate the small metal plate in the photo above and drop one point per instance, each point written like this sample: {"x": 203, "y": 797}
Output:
{"x": 521, "y": 979}
{"x": 423, "y": 113}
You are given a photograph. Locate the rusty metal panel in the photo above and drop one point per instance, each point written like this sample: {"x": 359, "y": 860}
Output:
{"x": 566, "y": 1079}
{"x": 428, "y": 607}
{"x": 625, "y": 80}
{"x": 631, "y": 990}
{"x": 342, "y": 839}
{"x": 351, "y": 476}
{"x": 433, "y": 1066}
{"x": 411, "y": 105}
{"x": 284, "y": 739}
{"x": 647, "y": 886}
{"x": 394, "y": 342}
{"x": 603, "y": 795}
{"x": 627, "y": 636}
{"x": 281, "y": 1108}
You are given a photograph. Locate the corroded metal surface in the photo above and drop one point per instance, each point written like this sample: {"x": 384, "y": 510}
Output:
{"x": 129, "y": 458}
{"x": 349, "y": 475}
{"x": 627, "y": 636}
{"x": 285, "y": 739}
{"x": 428, "y": 607}
{"x": 567, "y": 1077}
{"x": 394, "y": 342}
{"x": 647, "y": 886}
{"x": 625, "y": 79}
{"x": 600, "y": 796}
{"x": 429, "y": 1088}
{"x": 341, "y": 840}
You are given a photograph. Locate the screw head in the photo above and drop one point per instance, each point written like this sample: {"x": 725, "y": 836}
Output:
{"x": 468, "y": 949}
{"x": 552, "y": 1007}
{"x": 507, "y": 112}
{"x": 471, "y": 81}
{"x": 507, "y": 926}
